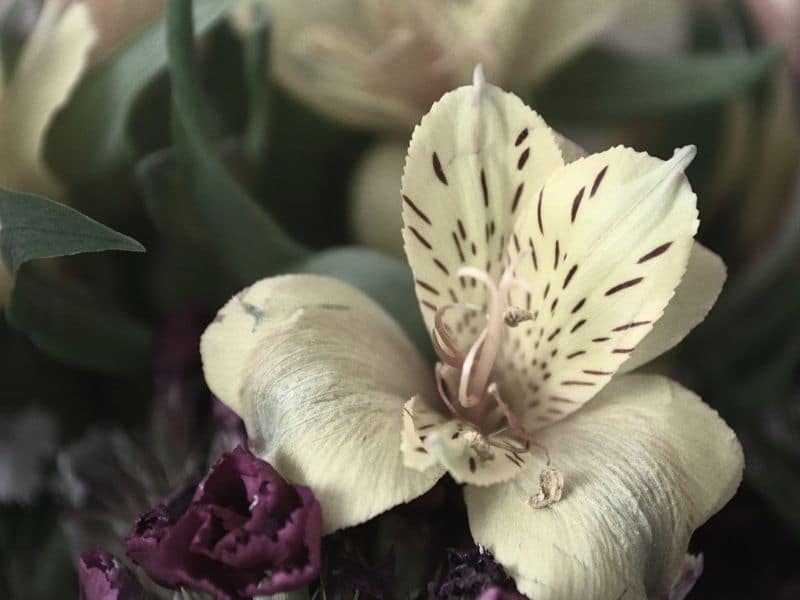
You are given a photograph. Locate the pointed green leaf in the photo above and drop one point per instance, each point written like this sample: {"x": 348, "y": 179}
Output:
{"x": 34, "y": 227}
{"x": 96, "y": 117}
{"x": 603, "y": 85}
{"x": 248, "y": 240}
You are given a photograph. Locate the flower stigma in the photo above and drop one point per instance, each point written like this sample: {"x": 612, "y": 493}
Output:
{"x": 478, "y": 399}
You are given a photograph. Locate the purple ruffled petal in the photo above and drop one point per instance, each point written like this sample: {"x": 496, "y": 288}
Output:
{"x": 103, "y": 577}
{"x": 246, "y": 532}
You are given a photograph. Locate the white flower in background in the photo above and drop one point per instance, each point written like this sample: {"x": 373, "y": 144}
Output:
{"x": 542, "y": 283}
{"x": 778, "y": 22}
{"x": 118, "y": 20}
{"x": 50, "y": 64}
{"x": 380, "y": 64}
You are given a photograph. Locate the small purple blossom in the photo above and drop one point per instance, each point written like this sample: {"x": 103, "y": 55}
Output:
{"x": 103, "y": 577}
{"x": 473, "y": 573}
{"x": 690, "y": 573}
{"x": 244, "y": 532}
{"x": 498, "y": 593}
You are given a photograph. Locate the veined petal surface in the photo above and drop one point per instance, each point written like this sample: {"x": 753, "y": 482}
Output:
{"x": 320, "y": 373}
{"x": 644, "y": 464}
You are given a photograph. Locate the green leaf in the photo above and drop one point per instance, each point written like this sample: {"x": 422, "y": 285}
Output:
{"x": 248, "y": 241}
{"x": 386, "y": 280}
{"x": 603, "y": 85}
{"x": 34, "y": 227}
{"x": 96, "y": 118}
{"x": 67, "y": 322}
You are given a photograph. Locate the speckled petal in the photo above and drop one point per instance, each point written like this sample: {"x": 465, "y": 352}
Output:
{"x": 608, "y": 240}
{"x": 476, "y": 160}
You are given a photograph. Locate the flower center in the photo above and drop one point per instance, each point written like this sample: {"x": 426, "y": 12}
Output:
{"x": 478, "y": 398}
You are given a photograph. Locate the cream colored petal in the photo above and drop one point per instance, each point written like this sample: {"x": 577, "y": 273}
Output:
{"x": 320, "y": 373}
{"x": 52, "y": 61}
{"x": 431, "y": 439}
{"x": 644, "y": 464}
{"x": 695, "y": 295}
{"x": 118, "y": 20}
{"x": 608, "y": 239}
{"x": 476, "y": 160}
{"x": 552, "y": 33}
{"x": 364, "y": 65}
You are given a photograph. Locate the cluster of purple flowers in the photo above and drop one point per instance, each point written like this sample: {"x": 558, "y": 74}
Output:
{"x": 238, "y": 531}
{"x": 167, "y": 524}
{"x": 242, "y": 531}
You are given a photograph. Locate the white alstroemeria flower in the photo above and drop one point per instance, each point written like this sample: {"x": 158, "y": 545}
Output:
{"x": 542, "y": 282}
{"x": 380, "y": 64}
{"x": 52, "y": 60}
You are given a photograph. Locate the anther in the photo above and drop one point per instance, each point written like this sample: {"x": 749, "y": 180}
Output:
{"x": 515, "y": 315}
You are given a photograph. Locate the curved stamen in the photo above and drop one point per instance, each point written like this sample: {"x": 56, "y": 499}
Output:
{"x": 481, "y": 276}
{"x": 454, "y": 361}
{"x": 440, "y": 383}
{"x": 455, "y": 357}
{"x": 464, "y": 397}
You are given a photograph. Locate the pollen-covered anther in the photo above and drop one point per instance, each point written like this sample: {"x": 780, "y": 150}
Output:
{"x": 515, "y": 315}
{"x": 551, "y": 486}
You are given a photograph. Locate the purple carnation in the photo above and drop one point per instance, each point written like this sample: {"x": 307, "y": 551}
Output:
{"x": 103, "y": 577}
{"x": 473, "y": 573}
{"x": 245, "y": 532}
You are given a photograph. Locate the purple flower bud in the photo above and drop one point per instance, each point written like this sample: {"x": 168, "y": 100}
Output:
{"x": 473, "y": 573}
{"x": 690, "y": 573}
{"x": 103, "y": 577}
{"x": 498, "y": 593}
{"x": 245, "y": 532}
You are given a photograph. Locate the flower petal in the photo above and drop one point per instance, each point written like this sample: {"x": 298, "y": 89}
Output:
{"x": 368, "y": 64}
{"x": 474, "y": 162}
{"x": 698, "y": 291}
{"x": 551, "y": 35}
{"x": 608, "y": 239}
{"x": 431, "y": 438}
{"x": 52, "y": 61}
{"x": 644, "y": 464}
{"x": 319, "y": 373}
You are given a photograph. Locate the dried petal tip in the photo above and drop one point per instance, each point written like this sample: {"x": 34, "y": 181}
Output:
{"x": 103, "y": 577}
{"x": 551, "y": 485}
